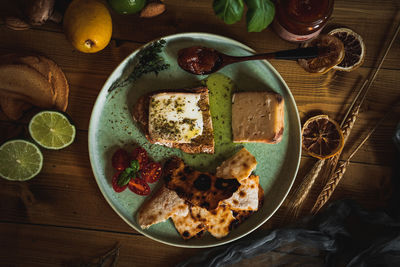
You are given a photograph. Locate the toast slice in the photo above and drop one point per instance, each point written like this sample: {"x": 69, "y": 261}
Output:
{"x": 203, "y": 143}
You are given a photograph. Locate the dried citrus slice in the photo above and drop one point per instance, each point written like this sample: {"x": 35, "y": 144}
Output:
{"x": 354, "y": 48}
{"x": 322, "y": 137}
{"x": 333, "y": 56}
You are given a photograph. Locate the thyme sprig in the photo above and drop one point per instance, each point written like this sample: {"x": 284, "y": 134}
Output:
{"x": 148, "y": 60}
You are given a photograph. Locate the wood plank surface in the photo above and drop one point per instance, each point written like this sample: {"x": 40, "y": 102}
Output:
{"x": 61, "y": 218}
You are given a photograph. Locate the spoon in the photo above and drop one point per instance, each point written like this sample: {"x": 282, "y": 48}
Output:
{"x": 201, "y": 60}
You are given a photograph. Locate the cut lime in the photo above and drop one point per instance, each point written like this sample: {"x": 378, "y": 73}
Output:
{"x": 52, "y": 130}
{"x": 20, "y": 160}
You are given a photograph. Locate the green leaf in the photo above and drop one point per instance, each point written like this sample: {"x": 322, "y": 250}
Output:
{"x": 260, "y": 14}
{"x": 128, "y": 173}
{"x": 134, "y": 166}
{"x": 124, "y": 178}
{"x": 230, "y": 11}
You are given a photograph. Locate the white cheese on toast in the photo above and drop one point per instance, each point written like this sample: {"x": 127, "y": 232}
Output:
{"x": 175, "y": 117}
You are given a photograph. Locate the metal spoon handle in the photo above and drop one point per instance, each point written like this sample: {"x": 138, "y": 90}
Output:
{"x": 293, "y": 54}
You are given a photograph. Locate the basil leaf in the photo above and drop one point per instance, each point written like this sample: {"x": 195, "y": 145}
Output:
{"x": 230, "y": 11}
{"x": 124, "y": 178}
{"x": 260, "y": 14}
{"x": 134, "y": 167}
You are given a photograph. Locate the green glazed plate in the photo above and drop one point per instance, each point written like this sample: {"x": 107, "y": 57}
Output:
{"x": 112, "y": 127}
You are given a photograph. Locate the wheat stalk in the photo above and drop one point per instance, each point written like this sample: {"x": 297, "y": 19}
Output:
{"x": 334, "y": 180}
{"x": 336, "y": 176}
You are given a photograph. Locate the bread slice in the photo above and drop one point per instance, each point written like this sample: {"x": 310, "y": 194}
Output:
{"x": 238, "y": 166}
{"x": 246, "y": 197}
{"x": 203, "y": 143}
{"x": 257, "y": 117}
{"x": 188, "y": 226}
{"x": 161, "y": 206}
{"x": 218, "y": 222}
{"x": 199, "y": 188}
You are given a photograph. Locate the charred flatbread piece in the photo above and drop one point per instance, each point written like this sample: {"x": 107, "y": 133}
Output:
{"x": 199, "y": 188}
{"x": 246, "y": 197}
{"x": 238, "y": 166}
{"x": 162, "y": 205}
{"x": 188, "y": 226}
{"x": 218, "y": 222}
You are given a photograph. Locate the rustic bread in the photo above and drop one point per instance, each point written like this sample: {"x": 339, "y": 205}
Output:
{"x": 188, "y": 226}
{"x": 238, "y": 166}
{"x": 246, "y": 197}
{"x": 199, "y": 188}
{"x": 161, "y": 206}
{"x": 201, "y": 144}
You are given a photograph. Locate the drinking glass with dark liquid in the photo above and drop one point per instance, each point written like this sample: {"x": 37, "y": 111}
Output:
{"x": 301, "y": 20}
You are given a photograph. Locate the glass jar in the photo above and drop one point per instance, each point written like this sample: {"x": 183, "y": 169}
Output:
{"x": 300, "y": 20}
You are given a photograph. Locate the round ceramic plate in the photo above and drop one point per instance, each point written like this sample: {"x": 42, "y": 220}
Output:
{"x": 112, "y": 127}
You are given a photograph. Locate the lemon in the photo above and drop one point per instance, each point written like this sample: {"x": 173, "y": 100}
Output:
{"x": 127, "y": 6}
{"x": 51, "y": 130}
{"x": 88, "y": 25}
{"x": 20, "y": 160}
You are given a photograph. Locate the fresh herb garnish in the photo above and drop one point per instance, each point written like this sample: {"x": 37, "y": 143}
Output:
{"x": 260, "y": 13}
{"x": 128, "y": 173}
{"x": 148, "y": 60}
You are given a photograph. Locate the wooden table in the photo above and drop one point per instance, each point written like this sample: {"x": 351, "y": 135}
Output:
{"x": 61, "y": 217}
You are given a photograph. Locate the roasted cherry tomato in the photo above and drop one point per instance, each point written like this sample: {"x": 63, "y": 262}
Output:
{"x": 120, "y": 160}
{"x": 140, "y": 154}
{"x": 151, "y": 172}
{"x": 139, "y": 186}
{"x": 115, "y": 185}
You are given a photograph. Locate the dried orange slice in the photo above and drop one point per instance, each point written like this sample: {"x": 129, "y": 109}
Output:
{"x": 335, "y": 54}
{"x": 354, "y": 48}
{"x": 322, "y": 137}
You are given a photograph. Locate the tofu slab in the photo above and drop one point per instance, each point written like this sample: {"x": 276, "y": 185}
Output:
{"x": 257, "y": 117}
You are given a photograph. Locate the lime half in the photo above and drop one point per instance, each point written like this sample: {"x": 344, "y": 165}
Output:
{"x": 52, "y": 130}
{"x": 20, "y": 160}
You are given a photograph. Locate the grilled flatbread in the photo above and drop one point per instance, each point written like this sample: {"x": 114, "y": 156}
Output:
{"x": 162, "y": 205}
{"x": 246, "y": 197}
{"x": 199, "y": 188}
{"x": 187, "y": 226}
{"x": 218, "y": 222}
{"x": 239, "y": 166}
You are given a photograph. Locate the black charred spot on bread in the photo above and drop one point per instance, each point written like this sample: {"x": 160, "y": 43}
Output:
{"x": 198, "y": 188}
{"x": 203, "y": 182}
{"x": 188, "y": 169}
{"x": 205, "y": 205}
{"x": 223, "y": 184}
{"x": 235, "y": 202}
{"x": 185, "y": 234}
{"x": 242, "y": 194}
{"x": 200, "y": 234}
{"x": 167, "y": 178}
